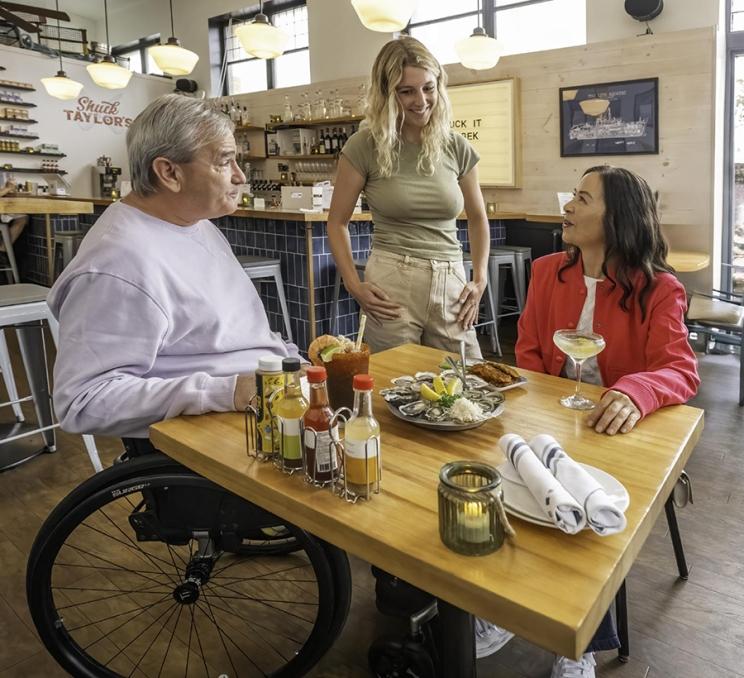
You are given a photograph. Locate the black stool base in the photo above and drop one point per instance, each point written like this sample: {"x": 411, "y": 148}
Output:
{"x": 19, "y": 451}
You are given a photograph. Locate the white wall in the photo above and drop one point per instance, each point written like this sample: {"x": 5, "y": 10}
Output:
{"x": 83, "y": 136}
{"x": 607, "y": 20}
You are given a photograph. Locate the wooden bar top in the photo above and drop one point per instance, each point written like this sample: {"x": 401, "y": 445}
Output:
{"x": 546, "y": 586}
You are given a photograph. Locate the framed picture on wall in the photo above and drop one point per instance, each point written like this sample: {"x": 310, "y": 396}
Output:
{"x": 611, "y": 118}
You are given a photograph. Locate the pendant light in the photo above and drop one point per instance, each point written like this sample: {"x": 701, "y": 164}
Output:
{"x": 171, "y": 58}
{"x": 260, "y": 38}
{"x": 384, "y": 16}
{"x": 479, "y": 51}
{"x": 60, "y": 86}
{"x": 107, "y": 73}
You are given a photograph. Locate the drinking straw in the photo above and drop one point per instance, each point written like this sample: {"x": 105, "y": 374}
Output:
{"x": 360, "y": 334}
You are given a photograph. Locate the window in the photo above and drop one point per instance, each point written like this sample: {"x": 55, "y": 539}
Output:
{"x": 136, "y": 52}
{"x": 519, "y": 25}
{"x": 247, "y": 74}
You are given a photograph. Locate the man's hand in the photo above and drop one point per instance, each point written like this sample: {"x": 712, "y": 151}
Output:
{"x": 615, "y": 412}
{"x": 375, "y": 302}
{"x": 245, "y": 389}
{"x": 469, "y": 301}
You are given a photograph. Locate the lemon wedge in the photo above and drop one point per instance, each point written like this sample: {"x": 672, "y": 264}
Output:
{"x": 439, "y": 386}
{"x": 454, "y": 386}
{"x": 428, "y": 393}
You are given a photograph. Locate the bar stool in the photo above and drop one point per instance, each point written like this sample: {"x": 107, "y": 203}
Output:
{"x": 13, "y": 267}
{"x": 360, "y": 265}
{"x": 492, "y": 312}
{"x": 258, "y": 268}
{"x": 69, "y": 242}
{"x": 522, "y": 261}
{"x": 496, "y": 261}
{"x": 25, "y": 307}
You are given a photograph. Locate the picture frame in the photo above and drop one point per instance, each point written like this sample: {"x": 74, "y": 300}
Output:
{"x": 610, "y": 118}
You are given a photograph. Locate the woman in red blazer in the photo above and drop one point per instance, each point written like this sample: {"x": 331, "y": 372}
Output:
{"x": 615, "y": 246}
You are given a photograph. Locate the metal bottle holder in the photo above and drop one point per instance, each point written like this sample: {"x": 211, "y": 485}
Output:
{"x": 340, "y": 487}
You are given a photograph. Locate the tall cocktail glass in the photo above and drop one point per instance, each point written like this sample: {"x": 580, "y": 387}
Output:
{"x": 578, "y": 346}
{"x": 341, "y": 370}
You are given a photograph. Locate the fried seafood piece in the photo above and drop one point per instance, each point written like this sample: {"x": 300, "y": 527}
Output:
{"x": 495, "y": 373}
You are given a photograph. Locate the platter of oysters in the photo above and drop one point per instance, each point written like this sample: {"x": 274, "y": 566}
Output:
{"x": 442, "y": 401}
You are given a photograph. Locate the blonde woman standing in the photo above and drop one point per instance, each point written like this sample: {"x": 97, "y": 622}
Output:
{"x": 418, "y": 176}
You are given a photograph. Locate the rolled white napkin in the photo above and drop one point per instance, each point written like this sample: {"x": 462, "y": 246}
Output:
{"x": 602, "y": 515}
{"x": 556, "y": 502}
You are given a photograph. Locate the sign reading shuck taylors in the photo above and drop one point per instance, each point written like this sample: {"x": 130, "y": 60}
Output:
{"x": 98, "y": 113}
{"x": 486, "y": 115}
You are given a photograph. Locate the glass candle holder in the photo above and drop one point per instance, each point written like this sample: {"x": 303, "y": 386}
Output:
{"x": 470, "y": 508}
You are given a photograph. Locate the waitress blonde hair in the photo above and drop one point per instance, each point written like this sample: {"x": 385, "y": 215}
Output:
{"x": 384, "y": 115}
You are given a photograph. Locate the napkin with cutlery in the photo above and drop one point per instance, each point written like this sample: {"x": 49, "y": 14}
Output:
{"x": 569, "y": 496}
{"x": 556, "y": 502}
{"x": 602, "y": 514}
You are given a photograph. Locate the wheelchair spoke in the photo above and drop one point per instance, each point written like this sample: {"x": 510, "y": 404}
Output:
{"x": 119, "y": 592}
{"x": 222, "y": 639}
{"x": 140, "y": 610}
{"x": 170, "y": 641}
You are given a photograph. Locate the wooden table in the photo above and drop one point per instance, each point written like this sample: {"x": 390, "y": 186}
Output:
{"x": 549, "y": 588}
{"x": 47, "y": 207}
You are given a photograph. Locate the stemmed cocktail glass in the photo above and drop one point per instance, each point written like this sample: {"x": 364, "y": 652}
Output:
{"x": 578, "y": 346}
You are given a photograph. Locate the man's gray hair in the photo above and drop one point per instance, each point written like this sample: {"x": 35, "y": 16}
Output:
{"x": 173, "y": 127}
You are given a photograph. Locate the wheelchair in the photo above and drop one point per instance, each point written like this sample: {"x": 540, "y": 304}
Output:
{"x": 148, "y": 569}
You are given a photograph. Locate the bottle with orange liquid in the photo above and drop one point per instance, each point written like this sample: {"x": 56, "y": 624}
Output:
{"x": 362, "y": 441}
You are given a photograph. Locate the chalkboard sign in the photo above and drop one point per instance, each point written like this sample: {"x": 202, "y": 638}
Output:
{"x": 486, "y": 114}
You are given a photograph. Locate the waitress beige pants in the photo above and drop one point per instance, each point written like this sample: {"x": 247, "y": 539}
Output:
{"x": 428, "y": 292}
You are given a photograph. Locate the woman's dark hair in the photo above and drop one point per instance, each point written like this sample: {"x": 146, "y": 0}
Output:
{"x": 633, "y": 238}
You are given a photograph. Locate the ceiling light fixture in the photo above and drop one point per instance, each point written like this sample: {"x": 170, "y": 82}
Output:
{"x": 260, "y": 38}
{"x": 171, "y": 58}
{"x": 479, "y": 51}
{"x": 60, "y": 86}
{"x": 107, "y": 73}
{"x": 384, "y": 16}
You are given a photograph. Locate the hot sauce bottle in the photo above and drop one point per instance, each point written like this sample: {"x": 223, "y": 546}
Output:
{"x": 321, "y": 461}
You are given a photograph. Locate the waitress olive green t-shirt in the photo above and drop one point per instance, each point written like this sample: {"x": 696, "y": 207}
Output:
{"x": 413, "y": 213}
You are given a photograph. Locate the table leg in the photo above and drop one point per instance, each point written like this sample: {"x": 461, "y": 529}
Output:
{"x": 458, "y": 641}
{"x": 50, "y": 249}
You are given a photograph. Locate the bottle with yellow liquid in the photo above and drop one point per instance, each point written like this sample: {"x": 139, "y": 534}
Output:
{"x": 289, "y": 412}
{"x": 362, "y": 441}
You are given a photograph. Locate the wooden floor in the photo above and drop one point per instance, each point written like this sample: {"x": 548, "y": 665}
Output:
{"x": 692, "y": 629}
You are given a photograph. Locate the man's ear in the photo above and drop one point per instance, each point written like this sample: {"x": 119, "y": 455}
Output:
{"x": 168, "y": 173}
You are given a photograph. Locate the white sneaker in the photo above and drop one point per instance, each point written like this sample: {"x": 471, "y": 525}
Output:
{"x": 563, "y": 667}
{"x": 489, "y": 638}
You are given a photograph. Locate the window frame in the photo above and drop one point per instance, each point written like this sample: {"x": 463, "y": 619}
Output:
{"x": 270, "y": 9}
{"x": 141, "y": 45}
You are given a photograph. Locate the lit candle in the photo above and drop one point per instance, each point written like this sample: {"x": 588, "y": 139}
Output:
{"x": 473, "y": 522}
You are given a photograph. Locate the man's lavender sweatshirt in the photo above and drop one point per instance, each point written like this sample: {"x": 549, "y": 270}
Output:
{"x": 156, "y": 320}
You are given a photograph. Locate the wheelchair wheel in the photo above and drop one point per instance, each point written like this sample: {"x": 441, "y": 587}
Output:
{"x": 135, "y": 573}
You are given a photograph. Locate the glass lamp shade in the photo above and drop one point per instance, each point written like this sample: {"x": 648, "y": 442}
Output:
{"x": 384, "y": 16}
{"x": 594, "y": 107}
{"x": 262, "y": 40}
{"x": 109, "y": 74}
{"x": 62, "y": 87}
{"x": 478, "y": 51}
{"x": 173, "y": 59}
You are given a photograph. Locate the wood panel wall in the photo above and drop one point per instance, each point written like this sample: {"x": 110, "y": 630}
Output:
{"x": 682, "y": 172}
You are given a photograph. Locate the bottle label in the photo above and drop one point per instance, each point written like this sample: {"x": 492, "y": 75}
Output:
{"x": 266, "y": 385}
{"x": 357, "y": 449}
{"x": 290, "y": 433}
{"x": 325, "y": 454}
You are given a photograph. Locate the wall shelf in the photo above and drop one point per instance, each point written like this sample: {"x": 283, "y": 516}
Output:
{"x": 7, "y": 135}
{"x": 35, "y": 154}
{"x": 314, "y": 156}
{"x": 28, "y": 170}
{"x": 26, "y": 121}
{"x": 325, "y": 122}
{"x": 18, "y": 87}
{"x": 27, "y": 104}
{"x": 249, "y": 128}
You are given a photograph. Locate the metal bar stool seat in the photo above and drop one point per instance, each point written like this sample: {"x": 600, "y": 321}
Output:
{"x": 263, "y": 268}
{"x": 25, "y": 307}
{"x": 360, "y": 265}
{"x": 523, "y": 263}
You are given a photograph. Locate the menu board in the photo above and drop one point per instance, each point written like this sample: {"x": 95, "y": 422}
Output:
{"x": 486, "y": 114}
